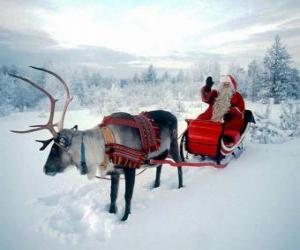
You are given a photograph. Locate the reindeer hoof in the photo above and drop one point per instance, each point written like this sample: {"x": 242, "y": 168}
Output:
{"x": 113, "y": 209}
{"x": 156, "y": 185}
{"x": 125, "y": 217}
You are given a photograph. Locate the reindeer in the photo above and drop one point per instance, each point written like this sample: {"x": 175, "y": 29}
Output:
{"x": 86, "y": 149}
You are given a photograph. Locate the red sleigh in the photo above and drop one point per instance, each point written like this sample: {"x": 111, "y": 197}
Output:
{"x": 210, "y": 139}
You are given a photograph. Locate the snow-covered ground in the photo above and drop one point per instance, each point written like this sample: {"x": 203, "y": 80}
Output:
{"x": 252, "y": 204}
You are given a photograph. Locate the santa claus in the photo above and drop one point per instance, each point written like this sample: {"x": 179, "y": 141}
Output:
{"x": 225, "y": 104}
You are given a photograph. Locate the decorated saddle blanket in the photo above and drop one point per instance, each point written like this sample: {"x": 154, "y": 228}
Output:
{"x": 123, "y": 155}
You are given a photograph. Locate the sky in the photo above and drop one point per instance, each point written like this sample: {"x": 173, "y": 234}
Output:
{"x": 130, "y": 34}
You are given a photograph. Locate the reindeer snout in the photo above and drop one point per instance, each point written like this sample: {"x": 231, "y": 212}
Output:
{"x": 50, "y": 169}
{"x": 50, "y": 172}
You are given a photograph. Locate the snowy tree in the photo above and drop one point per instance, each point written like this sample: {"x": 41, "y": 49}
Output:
{"x": 136, "y": 78}
{"x": 166, "y": 77}
{"x": 95, "y": 80}
{"x": 241, "y": 77}
{"x": 276, "y": 62}
{"x": 6, "y": 92}
{"x": 293, "y": 88}
{"x": 204, "y": 69}
{"x": 290, "y": 115}
{"x": 255, "y": 81}
{"x": 197, "y": 73}
{"x": 14, "y": 93}
{"x": 42, "y": 79}
{"x": 214, "y": 70}
{"x": 78, "y": 88}
{"x": 25, "y": 96}
{"x": 150, "y": 76}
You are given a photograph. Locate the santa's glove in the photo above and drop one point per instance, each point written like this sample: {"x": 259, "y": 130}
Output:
{"x": 209, "y": 83}
{"x": 227, "y": 117}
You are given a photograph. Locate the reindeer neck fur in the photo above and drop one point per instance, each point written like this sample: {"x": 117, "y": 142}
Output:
{"x": 94, "y": 150}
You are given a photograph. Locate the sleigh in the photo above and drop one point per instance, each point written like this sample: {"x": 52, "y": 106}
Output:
{"x": 208, "y": 140}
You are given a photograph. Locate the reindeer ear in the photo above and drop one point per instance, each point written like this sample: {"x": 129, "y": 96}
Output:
{"x": 75, "y": 128}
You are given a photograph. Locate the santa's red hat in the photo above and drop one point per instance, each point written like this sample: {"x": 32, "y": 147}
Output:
{"x": 230, "y": 79}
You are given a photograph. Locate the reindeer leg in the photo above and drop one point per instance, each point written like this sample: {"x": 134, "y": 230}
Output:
{"x": 115, "y": 177}
{"x": 129, "y": 185}
{"x": 174, "y": 152}
{"x": 157, "y": 177}
{"x": 180, "y": 182}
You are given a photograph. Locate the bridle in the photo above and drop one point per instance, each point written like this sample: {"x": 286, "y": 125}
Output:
{"x": 65, "y": 143}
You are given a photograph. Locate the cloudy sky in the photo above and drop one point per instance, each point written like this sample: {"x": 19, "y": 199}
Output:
{"x": 168, "y": 33}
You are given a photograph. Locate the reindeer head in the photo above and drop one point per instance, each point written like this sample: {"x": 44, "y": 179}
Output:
{"x": 60, "y": 156}
{"x": 63, "y": 152}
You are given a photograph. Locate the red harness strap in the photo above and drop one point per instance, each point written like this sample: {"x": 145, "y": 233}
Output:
{"x": 149, "y": 132}
{"x": 125, "y": 156}
{"x": 172, "y": 163}
{"x": 149, "y": 136}
{"x": 109, "y": 120}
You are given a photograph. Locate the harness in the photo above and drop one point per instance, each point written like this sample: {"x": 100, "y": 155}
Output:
{"x": 119, "y": 154}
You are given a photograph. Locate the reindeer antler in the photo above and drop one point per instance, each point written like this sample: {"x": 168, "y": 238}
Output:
{"x": 68, "y": 99}
{"x": 50, "y": 124}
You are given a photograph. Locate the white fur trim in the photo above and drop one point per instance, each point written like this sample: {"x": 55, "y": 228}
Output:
{"x": 222, "y": 104}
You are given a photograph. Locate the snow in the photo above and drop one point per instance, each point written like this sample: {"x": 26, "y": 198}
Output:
{"x": 251, "y": 204}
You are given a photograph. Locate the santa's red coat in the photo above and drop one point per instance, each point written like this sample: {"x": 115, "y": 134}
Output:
{"x": 236, "y": 120}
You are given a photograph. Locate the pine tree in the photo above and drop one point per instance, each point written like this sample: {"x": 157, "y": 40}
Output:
{"x": 14, "y": 94}
{"x": 150, "y": 76}
{"x": 166, "y": 77}
{"x": 254, "y": 83}
{"x": 293, "y": 88}
{"x": 136, "y": 78}
{"x": 6, "y": 91}
{"x": 276, "y": 62}
{"x": 95, "y": 80}
{"x": 77, "y": 88}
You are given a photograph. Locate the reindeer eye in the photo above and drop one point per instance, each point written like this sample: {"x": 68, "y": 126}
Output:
{"x": 63, "y": 141}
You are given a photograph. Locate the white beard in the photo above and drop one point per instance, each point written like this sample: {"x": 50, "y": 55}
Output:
{"x": 222, "y": 104}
